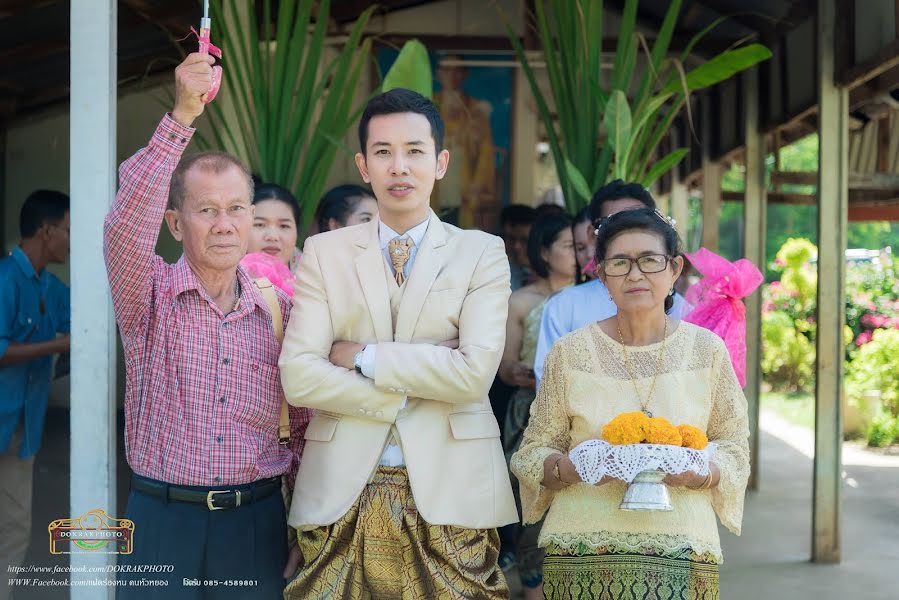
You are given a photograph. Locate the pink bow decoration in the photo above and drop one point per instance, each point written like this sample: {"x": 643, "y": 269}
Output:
{"x": 260, "y": 264}
{"x": 717, "y": 301}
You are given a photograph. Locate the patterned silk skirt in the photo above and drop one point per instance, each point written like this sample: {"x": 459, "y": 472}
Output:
{"x": 627, "y": 577}
{"x": 382, "y": 549}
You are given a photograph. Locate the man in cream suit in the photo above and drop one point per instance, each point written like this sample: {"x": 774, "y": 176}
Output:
{"x": 395, "y": 338}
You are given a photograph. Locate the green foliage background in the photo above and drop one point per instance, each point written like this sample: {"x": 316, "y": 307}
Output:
{"x": 790, "y": 221}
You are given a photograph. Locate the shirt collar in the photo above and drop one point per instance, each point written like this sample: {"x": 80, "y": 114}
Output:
{"x": 185, "y": 280}
{"x": 417, "y": 233}
{"x": 24, "y": 263}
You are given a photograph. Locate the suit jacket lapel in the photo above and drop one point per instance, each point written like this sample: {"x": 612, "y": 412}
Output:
{"x": 428, "y": 262}
{"x": 370, "y": 268}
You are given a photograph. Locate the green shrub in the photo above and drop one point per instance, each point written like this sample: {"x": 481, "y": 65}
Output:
{"x": 874, "y": 367}
{"x": 788, "y": 360}
{"x": 882, "y": 431}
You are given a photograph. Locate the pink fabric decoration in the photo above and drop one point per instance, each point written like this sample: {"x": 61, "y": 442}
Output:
{"x": 717, "y": 301}
{"x": 260, "y": 264}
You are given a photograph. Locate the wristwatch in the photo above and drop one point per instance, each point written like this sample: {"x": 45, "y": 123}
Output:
{"x": 357, "y": 361}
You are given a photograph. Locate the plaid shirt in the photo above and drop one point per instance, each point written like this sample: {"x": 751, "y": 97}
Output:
{"x": 203, "y": 395}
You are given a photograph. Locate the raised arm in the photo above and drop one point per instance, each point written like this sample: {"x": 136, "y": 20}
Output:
{"x": 462, "y": 375}
{"x": 132, "y": 225}
{"x": 308, "y": 377}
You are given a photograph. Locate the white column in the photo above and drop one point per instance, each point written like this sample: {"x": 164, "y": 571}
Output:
{"x": 833, "y": 209}
{"x": 92, "y": 163}
{"x": 754, "y": 212}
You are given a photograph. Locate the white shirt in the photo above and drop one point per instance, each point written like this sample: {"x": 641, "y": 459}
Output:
{"x": 392, "y": 456}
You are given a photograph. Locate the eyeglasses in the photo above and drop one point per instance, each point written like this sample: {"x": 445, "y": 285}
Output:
{"x": 648, "y": 263}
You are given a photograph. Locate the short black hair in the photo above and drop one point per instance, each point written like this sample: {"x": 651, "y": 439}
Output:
{"x": 619, "y": 190}
{"x": 338, "y": 203}
{"x": 549, "y": 208}
{"x": 42, "y": 207}
{"x": 640, "y": 219}
{"x": 544, "y": 233}
{"x": 401, "y": 100}
{"x": 517, "y": 214}
{"x": 272, "y": 191}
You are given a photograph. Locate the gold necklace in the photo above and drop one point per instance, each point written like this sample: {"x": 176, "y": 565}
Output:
{"x": 631, "y": 371}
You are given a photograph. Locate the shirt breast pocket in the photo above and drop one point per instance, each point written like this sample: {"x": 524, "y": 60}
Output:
{"x": 24, "y": 327}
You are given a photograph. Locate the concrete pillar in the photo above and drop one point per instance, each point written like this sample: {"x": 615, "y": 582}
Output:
{"x": 92, "y": 186}
{"x": 833, "y": 203}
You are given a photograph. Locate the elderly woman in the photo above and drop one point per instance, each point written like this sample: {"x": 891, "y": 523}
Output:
{"x": 638, "y": 360}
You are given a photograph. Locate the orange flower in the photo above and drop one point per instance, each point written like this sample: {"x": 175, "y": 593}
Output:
{"x": 661, "y": 431}
{"x": 692, "y": 437}
{"x": 626, "y": 428}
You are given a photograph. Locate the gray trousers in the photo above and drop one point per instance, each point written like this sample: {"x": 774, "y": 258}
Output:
{"x": 15, "y": 508}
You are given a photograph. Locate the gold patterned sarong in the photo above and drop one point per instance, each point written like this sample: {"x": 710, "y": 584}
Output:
{"x": 625, "y": 576}
{"x": 383, "y": 549}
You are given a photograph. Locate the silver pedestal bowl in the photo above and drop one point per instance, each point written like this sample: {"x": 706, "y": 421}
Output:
{"x": 647, "y": 492}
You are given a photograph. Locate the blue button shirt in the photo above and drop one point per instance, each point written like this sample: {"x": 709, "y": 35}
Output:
{"x": 34, "y": 307}
{"x": 578, "y": 306}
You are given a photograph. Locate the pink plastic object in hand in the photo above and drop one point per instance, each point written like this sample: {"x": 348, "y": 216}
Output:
{"x": 717, "y": 298}
{"x": 207, "y": 47}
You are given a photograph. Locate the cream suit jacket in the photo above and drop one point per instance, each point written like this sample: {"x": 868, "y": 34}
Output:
{"x": 458, "y": 288}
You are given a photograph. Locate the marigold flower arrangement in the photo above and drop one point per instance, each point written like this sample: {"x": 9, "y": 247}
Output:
{"x": 638, "y": 428}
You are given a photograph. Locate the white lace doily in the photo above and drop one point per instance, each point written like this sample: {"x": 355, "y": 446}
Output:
{"x": 594, "y": 459}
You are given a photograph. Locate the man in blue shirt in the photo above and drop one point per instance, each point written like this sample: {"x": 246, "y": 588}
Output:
{"x": 34, "y": 308}
{"x": 577, "y": 306}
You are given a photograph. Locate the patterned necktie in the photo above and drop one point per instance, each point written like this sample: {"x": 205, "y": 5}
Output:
{"x": 398, "y": 249}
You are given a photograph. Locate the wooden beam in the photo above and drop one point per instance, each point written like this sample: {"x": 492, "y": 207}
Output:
{"x": 885, "y": 59}
{"x": 874, "y": 182}
{"x": 857, "y": 198}
{"x": 833, "y": 187}
{"x": 759, "y": 23}
{"x": 874, "y": 213}
{"x": 711, "y": 181}
{"x": 349, "y": 10}
{"x": 754, "y": 217}
{"x": 883, "y": 145}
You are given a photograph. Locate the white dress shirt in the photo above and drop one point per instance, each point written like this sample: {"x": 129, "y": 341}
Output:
{"x": 392, "y": 456}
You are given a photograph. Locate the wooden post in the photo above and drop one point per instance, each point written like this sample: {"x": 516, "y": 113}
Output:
{"x": 833, "y": 197}
{"x": 678, "y": 203}
{"x": 711, "y": 182}
{"x": 754, "y": 212}
{"x": 92, "y": 185}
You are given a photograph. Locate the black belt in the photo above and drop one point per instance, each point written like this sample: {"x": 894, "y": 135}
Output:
{"x": 213, "y": 499}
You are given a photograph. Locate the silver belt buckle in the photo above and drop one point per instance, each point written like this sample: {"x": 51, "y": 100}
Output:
{"x": 211, "y": 494}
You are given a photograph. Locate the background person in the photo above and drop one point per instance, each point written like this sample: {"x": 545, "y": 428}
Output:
{"x": 34, "y": 309}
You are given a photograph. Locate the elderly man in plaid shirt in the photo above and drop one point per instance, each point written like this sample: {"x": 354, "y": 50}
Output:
{"x": 203, "y": 395}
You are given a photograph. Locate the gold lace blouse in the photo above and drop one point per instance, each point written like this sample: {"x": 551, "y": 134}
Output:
{"x": 585, "y": 384}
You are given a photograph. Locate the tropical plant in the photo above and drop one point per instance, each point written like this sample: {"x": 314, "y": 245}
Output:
{"x": 635, "y": 108}
{"x": 289, "y": 103}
